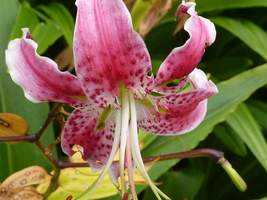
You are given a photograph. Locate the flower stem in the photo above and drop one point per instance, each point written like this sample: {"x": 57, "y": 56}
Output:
{"x": 196, "y": 153}
{"x": 235, "y": 177}
{"x": 53, "y": 183}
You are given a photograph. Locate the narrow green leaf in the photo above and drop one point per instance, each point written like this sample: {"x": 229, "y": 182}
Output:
{"x": 180, "y": 185}
{"x": 17, "y": 156}
{"x": 26, "y": 18}
{"x": 8, "y": 13}
{"x": 259, "y": 111}
{"x": 211, "y": 5}
{"x": 227, "y": 67}
{"x": 45, "y": 35}
{"x": 251, "y": 34}
{"x": 248, "y": 130}
{"x": 231, "y": 93}
{"x": 62, "y": 17}
{"x": 230, "y": 139}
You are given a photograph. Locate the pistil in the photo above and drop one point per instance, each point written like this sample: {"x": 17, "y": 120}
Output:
{"x": 130, "y": 169}
{"x": 136, "y": 153}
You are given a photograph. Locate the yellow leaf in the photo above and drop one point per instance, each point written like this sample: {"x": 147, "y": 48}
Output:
{"x": 73, "y": 181}
{"x": 12, "y": 125}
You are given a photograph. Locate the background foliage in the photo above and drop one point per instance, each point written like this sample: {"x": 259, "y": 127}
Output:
{"x": 236, "y": 122}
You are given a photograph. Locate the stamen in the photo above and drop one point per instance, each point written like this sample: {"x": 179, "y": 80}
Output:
{"x": 115, "y": 146}
{"x": 124, "y": 133}
{"x": 130, "y": 169}
{"x": 136, "y": 151}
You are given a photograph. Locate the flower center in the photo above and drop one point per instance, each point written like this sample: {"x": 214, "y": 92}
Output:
{"x": 126, "y": 142}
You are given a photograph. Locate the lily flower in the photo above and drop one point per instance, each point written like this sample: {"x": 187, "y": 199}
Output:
{"x": 113, "y": 94}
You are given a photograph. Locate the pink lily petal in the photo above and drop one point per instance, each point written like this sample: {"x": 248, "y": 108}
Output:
{"x": 108, "y": 52}
{"x": 162, "y": 89}
{"x": 80, "y": 129}
{"x": 179, "y": 113}
{"x": 39, "y": 76}
{"x": 182, "y": 60}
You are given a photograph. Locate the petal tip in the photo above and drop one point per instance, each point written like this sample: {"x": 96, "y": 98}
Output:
{"x": 26, "y": 33}
{"x": 186, "y": 8}
{"x": 199, "y": 80}
{"x": 211, "y": 31}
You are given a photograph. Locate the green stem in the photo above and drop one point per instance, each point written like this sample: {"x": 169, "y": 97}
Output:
{"x": 233, "y": 174}
{"x": 53, "y": 183}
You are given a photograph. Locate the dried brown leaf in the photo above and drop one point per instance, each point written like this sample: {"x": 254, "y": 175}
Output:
{"x": 28, "y": 193}
{"x": 129, "y": 3}
{"x": 154, "y": 15}
{"x": 180, "y": 23}
{"x": 26, "y": 177}
{"x": 65, "y": 59}
{"x": 12, "y": 125}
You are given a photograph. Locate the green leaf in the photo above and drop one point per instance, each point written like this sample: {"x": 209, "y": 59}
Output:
{"x": 231, "y": 93}
{"x": 248, "y": 130}
{"x": 230, "y": 139}
{"x": 180, "y": 185}
{"x": 227, "y": 67}
{"x": 45, "y": 35}
{"x": 26, "y": 18}
{"x": 73, "y": 181}
{"x": 259, "y": 111}
{"x": 62, "y": 17}
{"x": 211, "y": 5}
{"x": 17, "y": 156}
{"x": 251, "y": 34}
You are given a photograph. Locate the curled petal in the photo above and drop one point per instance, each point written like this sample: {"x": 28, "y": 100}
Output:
{"x": 178, "y": 113}
{"x": 182, "y": 60}
{"x": 108, "y": 52}
{"x": 95, "y": 142}
{"x": 163, "y": 89}
{"x": 39, "y": 76}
